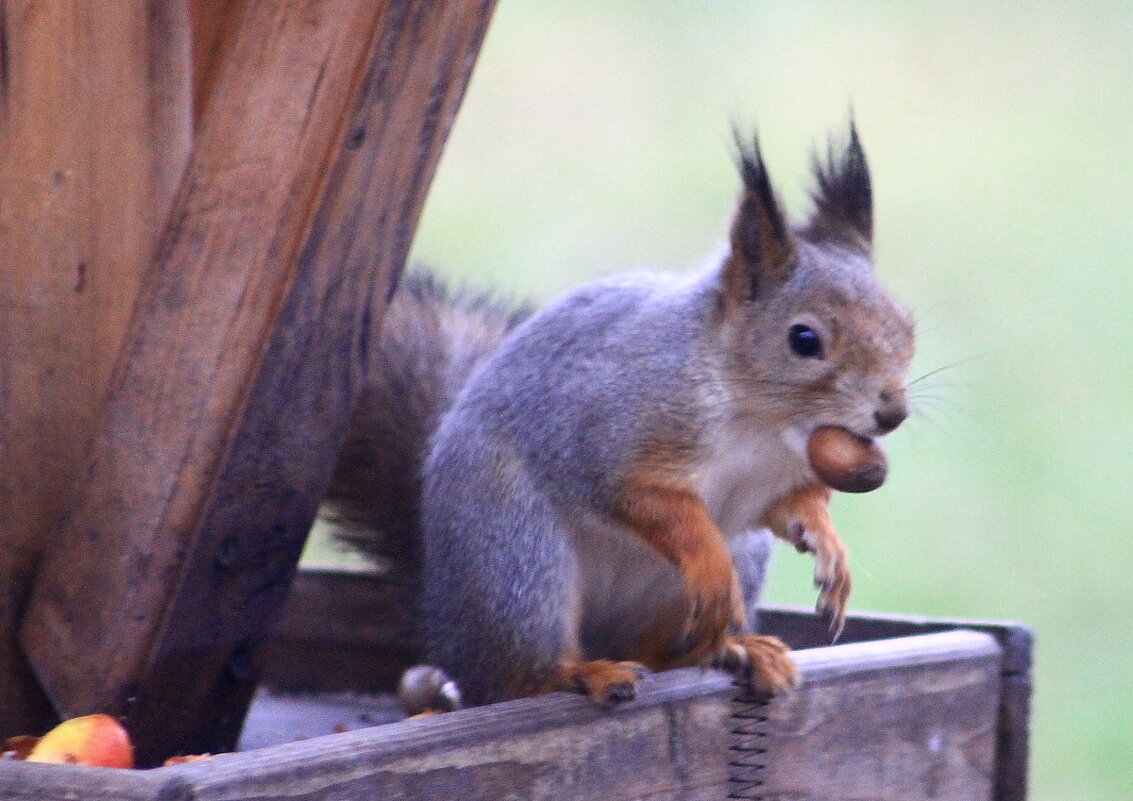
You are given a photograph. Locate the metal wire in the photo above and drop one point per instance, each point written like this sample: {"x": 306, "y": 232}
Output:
{"x": 748, "y": 765}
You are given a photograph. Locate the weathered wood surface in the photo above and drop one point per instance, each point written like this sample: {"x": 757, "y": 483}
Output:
{"x": 94, "y": 132}
{"x": 803, "y": 629}
{"x": 25, "y": 781}
{"x": 906, "y": 718}
{"x": 366, "y": 612}
{"x": 314, "y": 151}
{"x": 672, "y": 744}
{"x": 909, "y": 719}
{"x": 353, "y": 631}
{"x": 212, "y": 23}
{"x": 342, "y": 631}
{"x": 30, "y": 782}
{"x": 275, "y": 717}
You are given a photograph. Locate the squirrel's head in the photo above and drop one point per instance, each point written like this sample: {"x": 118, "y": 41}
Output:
{"x": 813, "y": 338}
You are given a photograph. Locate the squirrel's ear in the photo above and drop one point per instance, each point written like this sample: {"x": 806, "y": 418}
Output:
{"x": 843, "y": 197}
{"x": 762, "y": 245}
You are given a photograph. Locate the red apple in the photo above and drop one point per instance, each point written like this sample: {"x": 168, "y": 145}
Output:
{"x": 97, "y": 740}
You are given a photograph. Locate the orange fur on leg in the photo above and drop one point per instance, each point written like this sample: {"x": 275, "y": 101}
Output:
{"x": 803, "y": 519}
{"x": 664, "y": 647}
{"x": 764, "y": 661}
{"x": 673, "y": 519}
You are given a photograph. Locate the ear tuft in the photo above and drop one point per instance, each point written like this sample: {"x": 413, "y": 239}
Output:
{"x": 762, "y": 246}
{"x": 757, "y": 181}
{"x": 843, "y": 195}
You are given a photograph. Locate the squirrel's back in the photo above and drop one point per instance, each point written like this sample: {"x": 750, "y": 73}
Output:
{"x": 431, "y": 341}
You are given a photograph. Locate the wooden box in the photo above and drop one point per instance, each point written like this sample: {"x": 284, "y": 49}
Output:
{"x": 902, "y": 708}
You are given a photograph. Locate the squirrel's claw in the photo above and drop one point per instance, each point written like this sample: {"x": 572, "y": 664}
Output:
{"x": 832, "y": 577}
{"x": 833, "y": 616}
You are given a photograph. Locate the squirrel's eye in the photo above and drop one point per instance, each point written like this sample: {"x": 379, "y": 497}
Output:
{"x": 805, "y": 341}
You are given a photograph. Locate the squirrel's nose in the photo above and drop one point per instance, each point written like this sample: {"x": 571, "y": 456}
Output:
{"x": 890, "y": 416}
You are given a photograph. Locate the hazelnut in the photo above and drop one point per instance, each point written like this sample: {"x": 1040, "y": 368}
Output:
{"x": 845, "y": 461}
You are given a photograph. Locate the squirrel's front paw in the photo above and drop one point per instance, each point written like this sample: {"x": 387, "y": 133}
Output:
{"x": 803, "y": 519}
{"x": 832, "y": 577}
{"x": 608, "y": 683}
{"x": 715, "y": 602}
{"x": 831, "y": 572}
{"x": 763, "y": 660}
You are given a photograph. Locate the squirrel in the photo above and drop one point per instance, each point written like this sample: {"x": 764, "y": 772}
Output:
{"x": 590, "y": 490}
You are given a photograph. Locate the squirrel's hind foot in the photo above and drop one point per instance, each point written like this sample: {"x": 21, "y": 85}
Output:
{"x": 607, "y": 682}
{"x": 763, "y": 660}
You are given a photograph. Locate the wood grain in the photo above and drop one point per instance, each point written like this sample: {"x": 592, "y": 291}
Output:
{"x": 911, "y": 718}
{"x": 342, "y": 631}
{"x": 802, "y": 629}
{"x": 213, "y": 23}
{"x": 672, "y": 744}
{"x": 898, "y": 719}
{"x": 550, "y": 747}
{"x": 25, "y": 781}
{"x": 332, "y": 639}
{"x": 94, "y": 133}
{"x": 309, "y": 171}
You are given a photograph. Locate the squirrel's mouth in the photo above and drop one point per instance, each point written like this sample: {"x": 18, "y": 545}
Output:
{"x": 845, "y": 461}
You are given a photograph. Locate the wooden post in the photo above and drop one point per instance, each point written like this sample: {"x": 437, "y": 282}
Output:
{"x": 213, "y": 23}
{"x": 94, "y": 133}
{"x": 314, "y": 151}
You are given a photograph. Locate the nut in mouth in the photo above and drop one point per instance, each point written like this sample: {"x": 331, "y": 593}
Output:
{"x": 845, "y": 461}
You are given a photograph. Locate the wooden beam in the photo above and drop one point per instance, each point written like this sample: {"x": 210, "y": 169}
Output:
{"x": 94, "y": 134}
{"x": 296, "y": 213}
{"x": 804, "y": 630}
{"x": 33, "y": 781}
{"x": 330, "y": 640}
{"x": 213, "y": 23}
{"x": 910, "y": 719}
{"x": 907, "y": 718}
{"x": 343, "y": 632}
{"x": 673, "y": 743}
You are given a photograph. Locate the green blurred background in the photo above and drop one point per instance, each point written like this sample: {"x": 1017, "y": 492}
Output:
{"x": 596, "y": 136}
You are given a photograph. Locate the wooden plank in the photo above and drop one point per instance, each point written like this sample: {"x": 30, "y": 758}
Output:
{"x": 803, "y": 629}
{"x": 213, "y": 23}
{"x": 368, "y": 612}
{"x": 24, "y": 781}
{"x": 275, "y": 718}
{"x": 94, "y": 133}
{"x": 342, "y": 631}
{"x": 1013, "y": 749}
{"x": 910, "y": 718}
{"x": 671, "y": 744}
{"x": 354, "y": 631}
{"x": 299, "y": 203}
{"x": 907, "y": 718}
{"x": 896, "y": 719}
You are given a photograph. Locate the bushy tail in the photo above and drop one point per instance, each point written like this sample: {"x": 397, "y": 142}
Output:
{"x": 432, "y": 340}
